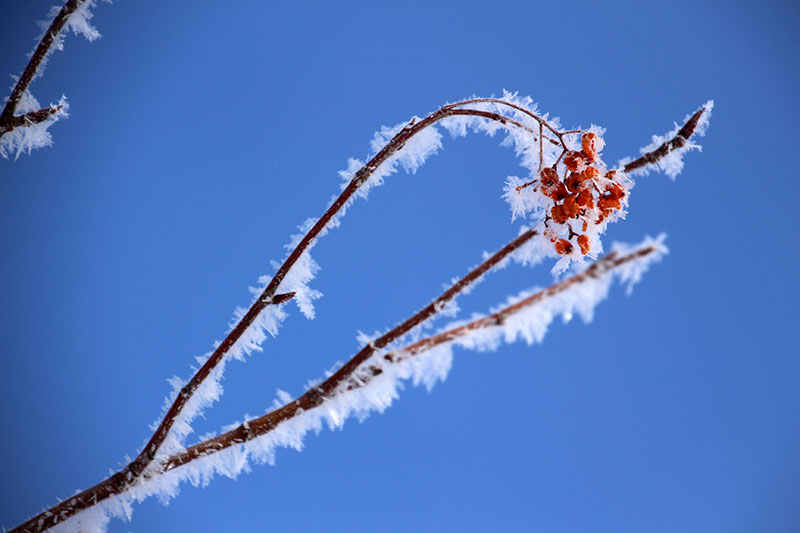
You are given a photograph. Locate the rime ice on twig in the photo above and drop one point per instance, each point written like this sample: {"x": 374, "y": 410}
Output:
{"x": 666, "y": 152}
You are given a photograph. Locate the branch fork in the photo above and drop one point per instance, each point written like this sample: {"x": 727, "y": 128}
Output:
{"x": 349, "y": 376}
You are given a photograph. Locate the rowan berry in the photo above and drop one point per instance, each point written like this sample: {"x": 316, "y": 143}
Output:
{"x": 591, "y": 173}
{"x": 615, "y": 191}
{"x": 591, "y": 145}
{"x": 558, "y": 214}
{"x": 571, "y": 207}
{"x": 563, "y": 247}
{"x": 574, "y": 161}
{"x": 585, "y": 199}
{"x": 548, "y": 177}
{"x": 608, "y": 203}
{"x": 583, "y": 242}
{"x": 576, "y": 181}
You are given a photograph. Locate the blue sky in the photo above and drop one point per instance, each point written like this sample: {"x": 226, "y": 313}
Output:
{"x": 200, "y": 138}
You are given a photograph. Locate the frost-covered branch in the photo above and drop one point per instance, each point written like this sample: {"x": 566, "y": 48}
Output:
{"x": 368, "y": 381}
{"x": 19, "y": 133}
{"x": 665, "y": 153}
{"x": 253, "y": 318}
{"x": 121, "y": 481}
{"x": 360, "y": 371}
{"x": 569, "y": 191}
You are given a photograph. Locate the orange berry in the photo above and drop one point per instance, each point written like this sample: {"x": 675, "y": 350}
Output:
{"x": 583, "y": 242}
{"x": 574, "y": 161}
{"x": 615, "y": 191}
{"x": 591, "y": 173}
{"x": 557, "y": 192}
{"x": 548, "y": 176}
{"x": 558, "y": 214}
{"x": 571, "y": 207}
{"x": 576, "y": 181}
{"x": 589, "y": 144}
{"x": 585, "y": 199}
{"x": 563, "y": 247}
{"x": 608, "y": 203}
{"x": 551, "y": 186}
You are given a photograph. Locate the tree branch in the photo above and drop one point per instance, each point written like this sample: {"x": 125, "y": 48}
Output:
{"x": 118, "y": 482}
{"x": 128, "y": 476}
{"x": 331, "y": 387}
{"x": 676, "y": 142}
{"x": 360, "y": 177}
{"x": 30, "y": 118}
{"x": 7, "y": 117}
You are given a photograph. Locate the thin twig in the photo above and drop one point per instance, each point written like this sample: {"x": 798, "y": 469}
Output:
{"x": 519, "y": 108}
{"x": 676, "y": 142}
{"x": 30, "y": 118}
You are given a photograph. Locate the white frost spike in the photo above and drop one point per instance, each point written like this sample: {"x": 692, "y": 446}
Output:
{"x": 416, "y": 150}
{"x": 297, "y": 281}
{"x": 27, "y": 138}
{"x": 79, "y": 23}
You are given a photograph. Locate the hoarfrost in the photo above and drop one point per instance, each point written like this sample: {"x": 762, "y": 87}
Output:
{"x": 24, "y": 139}
{"x": 672, "y": 163}
{"x": 528, "y": 324}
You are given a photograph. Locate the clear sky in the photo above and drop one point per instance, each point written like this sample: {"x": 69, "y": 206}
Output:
{"x": 202, "y": 133}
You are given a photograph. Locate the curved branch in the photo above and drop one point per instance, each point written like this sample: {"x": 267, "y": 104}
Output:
{"x": 398, "y": 141}
{"x": 121, "y": 480}
{"x": 519, "y": 108}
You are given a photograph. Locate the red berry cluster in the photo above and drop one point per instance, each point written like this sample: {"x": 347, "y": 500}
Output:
{"x": 585, "y": 195}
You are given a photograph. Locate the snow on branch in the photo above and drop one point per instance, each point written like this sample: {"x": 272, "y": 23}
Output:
{"x": 570, "y": 195}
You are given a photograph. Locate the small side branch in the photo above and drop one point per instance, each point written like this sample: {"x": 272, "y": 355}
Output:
{"x": 29, "y": 119}
{"x": 679, "y": 141}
